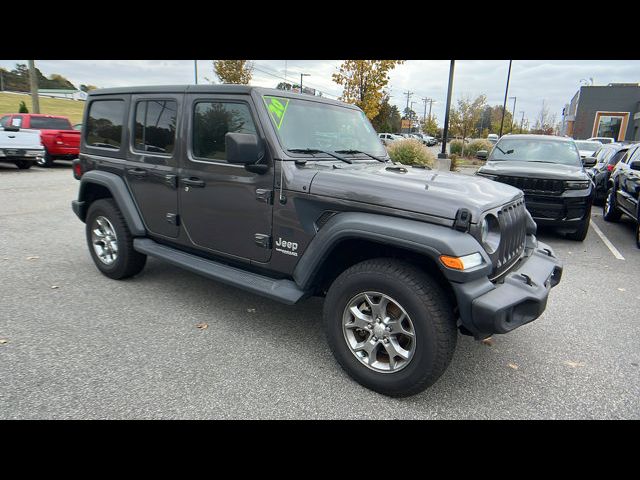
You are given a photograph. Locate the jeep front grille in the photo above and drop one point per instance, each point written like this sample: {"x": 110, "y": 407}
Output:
{"x": 533, "y": 185}
{"x": 513, "y": 228}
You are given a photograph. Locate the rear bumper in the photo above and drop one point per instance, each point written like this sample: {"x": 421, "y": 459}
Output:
{"x": 519, "y": 298}
{"x": 61, "y": 151}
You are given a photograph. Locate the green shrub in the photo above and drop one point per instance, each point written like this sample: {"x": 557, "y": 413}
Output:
{"x": 477, "y": 145}
{"x": 455, "y": 147}
{"x": 410, "y": 152}
{"x": 23, "y": 107}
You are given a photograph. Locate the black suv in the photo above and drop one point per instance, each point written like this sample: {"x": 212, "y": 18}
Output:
{"x": 289, "y": 196}
{"x": 548, "y": 169}
{"x": 607, "y": 157}
{"x": 624, "y": 190}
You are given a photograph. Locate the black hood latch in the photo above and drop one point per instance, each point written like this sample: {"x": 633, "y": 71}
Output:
{"x": 463, "y": 220}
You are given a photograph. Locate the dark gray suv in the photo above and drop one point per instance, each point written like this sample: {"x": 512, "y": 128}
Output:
{"x": 291, "y": 196}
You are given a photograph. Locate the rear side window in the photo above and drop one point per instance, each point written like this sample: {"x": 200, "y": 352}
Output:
{"x": 104, "y": 124}
{"x": 616, "y": 158}
{"x": 155, "y": 130}
{"x": 45, "y": 123}
{"x": 212, "y": 121}
{"x": 4, "y": 121}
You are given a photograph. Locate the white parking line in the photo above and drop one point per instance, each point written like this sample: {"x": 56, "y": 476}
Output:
{"x": 606, "y": 241}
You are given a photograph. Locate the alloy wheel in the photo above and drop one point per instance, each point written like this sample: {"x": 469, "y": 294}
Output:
{"x": 104, "y": 240}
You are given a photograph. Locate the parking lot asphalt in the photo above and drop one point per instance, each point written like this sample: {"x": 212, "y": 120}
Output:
{"x": 75, "y": 344}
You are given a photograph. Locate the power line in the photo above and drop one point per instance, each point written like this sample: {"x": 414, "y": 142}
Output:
{"x": 324, "y": 92}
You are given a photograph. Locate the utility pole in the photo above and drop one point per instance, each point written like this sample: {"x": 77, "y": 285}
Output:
{"x": 1, "y": 81}
{"x": 424, "y": 117}
{"x": 408, "y": 94}
{"x": 443, "y": 154}
{"x": 513, "y": 115}
{"x": 504, "y": 104}
{"x": 521, "y": 121}
{"x": 430, "y": 105}
{"x": 33, "y": 81}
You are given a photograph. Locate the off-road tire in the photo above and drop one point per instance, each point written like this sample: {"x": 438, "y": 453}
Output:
{"x": 128, "y": 261}
{"x": 426, "y": 304}
{"x": 23, "y": 164}
{"x": 610, "y": 210}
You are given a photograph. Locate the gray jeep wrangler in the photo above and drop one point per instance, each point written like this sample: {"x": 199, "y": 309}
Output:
{"x": 289, "y": 196}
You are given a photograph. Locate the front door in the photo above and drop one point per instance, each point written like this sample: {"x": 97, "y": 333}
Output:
{"x": 223, "y": 207}
{"x": 151, "y": 169}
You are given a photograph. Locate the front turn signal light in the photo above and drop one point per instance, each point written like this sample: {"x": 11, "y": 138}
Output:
{"x": 462, "y": 263}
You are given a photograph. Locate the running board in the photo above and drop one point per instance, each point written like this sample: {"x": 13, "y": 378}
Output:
{"x": 284, "y": 291}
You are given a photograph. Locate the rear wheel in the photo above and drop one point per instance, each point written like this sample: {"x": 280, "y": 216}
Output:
{"x": 390, "y": 326}
{"x": 23, "y": 164}
{"x": 46, "y": 160}
{"x": 610, "y": 210}
{"x": 110, "y": 241}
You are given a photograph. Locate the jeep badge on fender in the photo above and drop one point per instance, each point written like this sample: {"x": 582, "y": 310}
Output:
{"x": 291, "y": 196}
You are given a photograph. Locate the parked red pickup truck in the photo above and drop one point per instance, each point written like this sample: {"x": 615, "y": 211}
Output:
{"x": 60, "y": 140}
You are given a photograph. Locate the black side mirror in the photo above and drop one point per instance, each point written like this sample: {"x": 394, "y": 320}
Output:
{"x": 243, "y": 148}
{"x": 482, "y": 154}
{"x": 635, "y": 165}
{"x": 589, "y": 161}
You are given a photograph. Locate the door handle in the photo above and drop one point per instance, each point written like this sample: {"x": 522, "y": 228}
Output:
{"x": 137, "y": 172}
{"x": 193, "y": 182}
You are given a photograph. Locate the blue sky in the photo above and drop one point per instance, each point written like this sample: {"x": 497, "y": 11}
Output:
{"x": 532, "y": 81}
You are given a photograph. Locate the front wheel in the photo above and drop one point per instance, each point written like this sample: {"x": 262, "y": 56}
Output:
{"x": 581, "y": 233}
{"x": 390, "y": 326}
{"x": 610, "y": 210}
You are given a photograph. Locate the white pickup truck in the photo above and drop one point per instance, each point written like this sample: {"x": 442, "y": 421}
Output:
{"x": 20, "y": 146}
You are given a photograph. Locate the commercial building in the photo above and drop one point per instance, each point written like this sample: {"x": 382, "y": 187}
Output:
{"x": 604, "y": 111}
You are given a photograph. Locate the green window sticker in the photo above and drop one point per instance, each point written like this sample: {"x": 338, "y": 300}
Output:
{"x": 277, "y": 107}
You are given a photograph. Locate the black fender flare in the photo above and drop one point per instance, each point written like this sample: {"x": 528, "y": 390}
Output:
{"x": 120, "y": 194}
{"x": 421, "y": 237}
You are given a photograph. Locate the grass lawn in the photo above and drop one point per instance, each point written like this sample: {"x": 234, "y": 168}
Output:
{"x": 73, "y": 109}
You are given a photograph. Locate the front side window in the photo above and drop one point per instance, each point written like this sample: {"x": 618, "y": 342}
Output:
{"x": 536, "y": 150}
{"x": 212, "y": 121}
{"x": 302, "y": 124}
{"x": 155, "y": 129}
{"x": 104, "y": 124}
{"x": 16, "y": 122}
{"x": 616, "y": 158}
{"x": 4, "y": 121}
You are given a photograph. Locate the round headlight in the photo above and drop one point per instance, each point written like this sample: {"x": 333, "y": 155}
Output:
{"x": 490, "y": 233}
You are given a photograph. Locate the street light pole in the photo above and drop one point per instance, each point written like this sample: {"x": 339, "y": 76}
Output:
{"x": 195, "y": 67}
{"x": 445, "y": 132}
{"x": 506, "y": 92}
{"x": 521, "y": 122}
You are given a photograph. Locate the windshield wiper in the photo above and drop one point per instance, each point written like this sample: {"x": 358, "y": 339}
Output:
{"x": 311, "y": 151}
{"x": 353, "y": 152}
{"x": 508, "y": 152}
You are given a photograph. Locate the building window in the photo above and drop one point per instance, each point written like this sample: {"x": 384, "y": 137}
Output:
{"x": 611, "y": 124}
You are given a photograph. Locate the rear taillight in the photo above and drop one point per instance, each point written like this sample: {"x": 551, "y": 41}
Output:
{"x": 77, "y": 169}
{"x": 610, "y": 167}
{"x": 59, "y": 140}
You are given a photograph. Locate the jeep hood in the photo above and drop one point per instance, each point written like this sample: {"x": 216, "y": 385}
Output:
{"x": 412, "y": 189}
{"x": 555, "y": 171}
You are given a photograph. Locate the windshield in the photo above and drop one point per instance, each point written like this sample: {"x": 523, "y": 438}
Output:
{"x": 304, "y": 124}
{"x": 588, "y": 146}
{"x": 536, "y": 150}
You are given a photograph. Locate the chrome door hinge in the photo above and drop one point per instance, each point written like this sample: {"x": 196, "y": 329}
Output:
{"x": 262, "y": 240}
{"x": 264, "y": 195}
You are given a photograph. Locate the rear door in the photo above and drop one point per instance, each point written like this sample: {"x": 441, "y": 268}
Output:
{"x": 223, "y": 208}
{"x": 630, "y": 183}
{"x": 151, "y": 170}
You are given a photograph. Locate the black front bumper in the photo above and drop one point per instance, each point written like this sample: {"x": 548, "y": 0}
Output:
{"x": 518, "y": 298}
{"x": 560, "y": 211}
